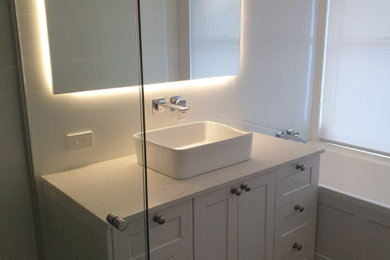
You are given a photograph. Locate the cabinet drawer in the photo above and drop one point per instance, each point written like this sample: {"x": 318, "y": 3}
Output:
{"x": 287, "y": 251}
{"x": 296, "y": 180}
{"x": 175, "y": 235}
{"x": 296, "y": 218}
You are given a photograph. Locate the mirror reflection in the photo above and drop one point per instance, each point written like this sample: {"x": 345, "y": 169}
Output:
{"x": 190, "y": 39}
{"x": 93, "y": 44}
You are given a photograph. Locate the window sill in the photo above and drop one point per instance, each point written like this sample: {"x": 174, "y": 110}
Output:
{"x": 356, "y": 153}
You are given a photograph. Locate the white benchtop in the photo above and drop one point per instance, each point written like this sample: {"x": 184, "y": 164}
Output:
{"x": 117, "y": 185}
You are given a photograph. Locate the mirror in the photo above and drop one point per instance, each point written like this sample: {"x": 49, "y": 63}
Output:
{"x": 190, "y": 39}
{"x": 97, "y": 48}
{"x": 93, "y": 44}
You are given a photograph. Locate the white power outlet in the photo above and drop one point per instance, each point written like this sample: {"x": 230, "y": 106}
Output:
{"x": 77, "y": 141}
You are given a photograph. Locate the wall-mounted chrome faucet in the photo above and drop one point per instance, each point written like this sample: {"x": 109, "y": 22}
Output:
{"x": 290, "y": 134}
{"x": 176, "y": 103}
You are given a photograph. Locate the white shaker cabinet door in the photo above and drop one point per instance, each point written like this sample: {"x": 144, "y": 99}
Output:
{"x": 215, "y": 226}
{"x": 256, "y": 218}
{"x": 167, "y": 239}
{"x": 236, "y": 226}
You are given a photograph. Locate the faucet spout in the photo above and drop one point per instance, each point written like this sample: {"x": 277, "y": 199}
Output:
{"x": 177, "y": 103}
{"x": 290, "y": 134}
{"x": 173, "y": 107}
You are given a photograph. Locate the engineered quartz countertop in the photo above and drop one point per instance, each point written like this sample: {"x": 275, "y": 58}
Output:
{"x": 116, "y": 186}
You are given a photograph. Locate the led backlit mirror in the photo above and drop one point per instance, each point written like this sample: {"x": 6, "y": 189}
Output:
{"x": 93, "y": 43}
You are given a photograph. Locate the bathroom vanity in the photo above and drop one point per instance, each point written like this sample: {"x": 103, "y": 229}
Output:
{"x": 262, "y": 208}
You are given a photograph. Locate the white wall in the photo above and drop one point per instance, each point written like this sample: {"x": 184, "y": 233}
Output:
{"x": 272, "y": 91}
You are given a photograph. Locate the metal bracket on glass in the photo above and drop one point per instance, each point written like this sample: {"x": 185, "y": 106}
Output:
{"x": 117, "y": 222}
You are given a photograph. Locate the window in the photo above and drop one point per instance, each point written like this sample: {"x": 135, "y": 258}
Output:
{"x": 356, "y": 82}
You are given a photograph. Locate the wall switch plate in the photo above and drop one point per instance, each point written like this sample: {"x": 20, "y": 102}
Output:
{"x": 77, "y": 141}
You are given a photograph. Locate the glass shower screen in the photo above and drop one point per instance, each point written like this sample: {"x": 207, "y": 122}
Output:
{"x": 83, "y": 96}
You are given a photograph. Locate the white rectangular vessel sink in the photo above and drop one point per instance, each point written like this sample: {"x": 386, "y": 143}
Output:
{"x": 191, "y": 149}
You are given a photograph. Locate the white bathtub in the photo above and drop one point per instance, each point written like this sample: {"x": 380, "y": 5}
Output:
{"x": 363, "y": 176}
{"x": 354, "y": 206}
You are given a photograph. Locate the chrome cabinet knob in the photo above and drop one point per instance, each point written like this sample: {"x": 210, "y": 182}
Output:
{"x": 297, "y": 246}
{"x": 300, "y": 167}
{"x": 299, "y": 208}
{"x": 117, "y": 222}
{"x": 159, "y": 219}
{"x": 236, "y": 191}
{"x": 246, "y": 187}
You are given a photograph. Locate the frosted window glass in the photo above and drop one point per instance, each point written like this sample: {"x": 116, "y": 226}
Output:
{"x": 356, "y": 91}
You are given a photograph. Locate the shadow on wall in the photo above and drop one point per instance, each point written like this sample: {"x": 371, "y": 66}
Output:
{"x": 17, "y": 236}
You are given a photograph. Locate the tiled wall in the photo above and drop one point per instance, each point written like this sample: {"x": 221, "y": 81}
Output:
{"x": 273, "y": 90}
{"x": 17, "y": 233}
{"x": 113, "y": 116}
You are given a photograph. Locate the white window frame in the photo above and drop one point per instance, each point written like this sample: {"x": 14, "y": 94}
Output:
{"x": 318, "y": 87}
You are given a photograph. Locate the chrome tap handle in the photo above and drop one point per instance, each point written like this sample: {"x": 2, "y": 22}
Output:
{"x": 157, "y": 103}
{"x": 290, "y": 134}
{"x": 279, "y": 134}
{"x": 178, "y": 100}
{"x": 291, "y": 131}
